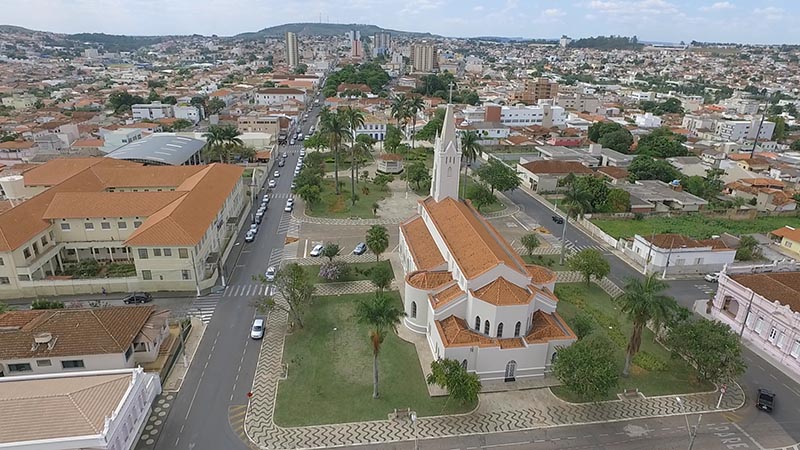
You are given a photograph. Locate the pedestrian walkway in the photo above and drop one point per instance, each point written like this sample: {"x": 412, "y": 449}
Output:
{"x": 280, "y": 195}
{"x": 203, "y": 307}
{"x": 574, "y": 248}
{"x": 605, "y": 284}
{"x": 285, "y": 223}
{"x": 497, "y": 412}
{"x": 302, "y": 217}
{"x": 346, "y": 288}
{"x": 155, "y": 423}
{"x": 246, "y": 290}
{"x": 348, "y": 258}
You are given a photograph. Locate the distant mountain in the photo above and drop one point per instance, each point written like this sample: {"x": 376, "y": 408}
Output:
{"x": 324, "y": 29}
{"x": 118, "y": 43}
{"x": 16, "y": 29}
{"x": 503, "y": 39}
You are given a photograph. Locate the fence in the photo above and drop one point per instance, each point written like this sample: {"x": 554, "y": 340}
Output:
{"x": 595, "y": 231}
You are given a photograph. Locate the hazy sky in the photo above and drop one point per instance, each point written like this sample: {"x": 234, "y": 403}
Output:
{"x": 765, "y": 21}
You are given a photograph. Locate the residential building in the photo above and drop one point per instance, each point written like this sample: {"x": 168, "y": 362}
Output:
{"x": 279, "y": 96}
{"x": 765, "y": 309}
{"x": 467, "y": 290}
{"x": 115, "y": 139}
{"x": 740, "y": 130}
{"x": 292, "y": 52}
{"x": 424, "y": 57}
{"x": 172, "y": 223}
{"x": 577, "y": 101}
{"x": 356, "y": 46}
{"x": 254, "y": 122}
{"x": 19, "y": 101}
{"x": 766, "y": 194}
{"x": 16, "y": 152}
{"x": 151, "y": 111}
{"x": 675, "y": 254}
{"x": 188, "y": 112}
{"x": 788, "y": 238}
{"x": 98, "y": 410}
{"x": 536, "y": 89}
{"x": 374, "y": 126}
{"x": 543, "y": 176}
{"x": 68, "y": 340}
{"x": 655, "y": 195}
{"x": 524, "y": 116}
{"x": 647, "y": 120}
{"x": 559, "y": 153}
{"x": 381, "y": 44}
{"x": 163, "y": 149}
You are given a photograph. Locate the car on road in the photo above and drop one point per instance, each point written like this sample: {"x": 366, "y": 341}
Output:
{"x": 712, "y": 277}
{"x": 276, "y": 174}
{"x": 250, "y": 236}
{"x": 270, "y": 273}
{"x": 254, "y": 227}
{"x": 360, "y": 249}
{"x": 288, "y": 207}
{"x": 291, "y": 142}
{"x": 138, "y": 297}
{"x": 281, "y": 163}
{"x": 265, "y": 199}
{"x": 285, "y": 155}
{"x": 317, "y": 250}
{"x": 558, "y": 219}
{"x": 257, "y": 330}
{"x": 293, "y": 185}
{"x": 272, "y": 183}
{"x": 302, "y": 152}
{"x": 765, "y": 400}
{"x": 258, "y": 218}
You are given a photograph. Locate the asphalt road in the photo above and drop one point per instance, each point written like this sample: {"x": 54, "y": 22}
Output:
{"x": 221, "y": 373}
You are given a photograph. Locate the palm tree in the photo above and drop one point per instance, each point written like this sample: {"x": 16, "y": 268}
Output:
{"x": 380, "y": 313}
{"x": 414, "y": 105}
{"x": 353, "y": 118}
{"x": 470, "y": 150}
{"x": 577, "y": 201}
{"x": 643, "y": 302}
{"x": 222, "y": 140}
{"x": 399, "y": 107}
{"x": 358, "y": 151}
{"x": 332, "y": 125}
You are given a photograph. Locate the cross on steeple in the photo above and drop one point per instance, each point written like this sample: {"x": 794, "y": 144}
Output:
{"x": 450, "y": 100}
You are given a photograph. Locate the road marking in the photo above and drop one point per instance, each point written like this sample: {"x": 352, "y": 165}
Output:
{"x": 508, "y": 444}
{"x": 748, "y": 436}
{"x": 773, "y": 377}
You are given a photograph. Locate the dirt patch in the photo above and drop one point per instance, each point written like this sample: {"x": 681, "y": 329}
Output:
{"x": 337, "y": 205}
{"x": 543, "y": 230}
{"x": 290, "y": 239}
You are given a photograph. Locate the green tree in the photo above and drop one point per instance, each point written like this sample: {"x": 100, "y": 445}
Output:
{"x": 316, "y": 141}
{"x": 399, "y": 109}
{"x": 779, "y": 133}
{"x": 417, "y": 172}
{"x": 461, "y": 385}
{"x": 470, "y": 149}
{"x": 748, "y": 249}
{"x": 381, "y": 180}
{"x": 480, "y": 195}
{"x": 599, "y": 129}
{"x": 353, "y": 119}
{"x": 498, "y": 175}
{"x": 643, "y": 303}
{"x": 414, "y": 105}
{"x": 381, "y": 314}
{"x": 710, "y": 347}
{"x": 434, "y": 125}
{"x": 589, "y": 367}
{"x": 3, "y": 307}
{"x": 619, "y": 140}
{"x": 46, "y": 304}
{"x": 582, "y": 324}
{"x": 645, "y": 167}
{"x": 294, "y": 285}
{"x": 577, "y": 201}
{"x": 795, "y": 146}
{"x": 596, "y": 188}
{"x": 222, "y": 142}
{"x": 122, "y": 100}
{"x": 381, "y": 276}
{"x": 617, "y": 201}
{"x": 590, "y": 263}
{"x": 530, "y": 241}
{"x": 392, "y": 139}
{"x": 311, "y": 194}
{"x": 215, "y": 105}
{"x": 334, "y": 128}
{"x": 301, "y": 69}
{"x": 662, "y": 143}
{"x": 181, "y": 124}
{"x": 377, "y": 240}
{"x": 331, "y": 250}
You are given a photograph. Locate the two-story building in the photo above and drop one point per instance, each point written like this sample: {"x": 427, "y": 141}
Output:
{"x": 279, "y": 96}
{"x": 151, "y": 111}
{"x": 675, "y": 254}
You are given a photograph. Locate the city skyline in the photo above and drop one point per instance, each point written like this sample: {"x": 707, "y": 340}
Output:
{"x": 651, "y": 20}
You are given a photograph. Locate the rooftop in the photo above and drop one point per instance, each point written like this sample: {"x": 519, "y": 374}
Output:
{"x": 161, "y": 148}
{"x": 673, "y": 241}
{"x": 781, "y": 287}
{"x": 658, "y": 191}
{"x": 555, "y": 166}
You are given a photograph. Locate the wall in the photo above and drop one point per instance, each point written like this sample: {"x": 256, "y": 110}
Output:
{"x": 91, "y": 362}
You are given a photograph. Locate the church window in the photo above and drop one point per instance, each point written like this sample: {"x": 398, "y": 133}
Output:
{"x": 517, "y": 329}
{"x": 477, "y": 323}
{"x": 449, "y": 171}
{"x": 500, "y": 330}
{"x": 486, "y": 328}
{"x": 413, "y": 310}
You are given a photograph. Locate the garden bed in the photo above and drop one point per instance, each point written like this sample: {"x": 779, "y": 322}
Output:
{"x": 356, "y": 272}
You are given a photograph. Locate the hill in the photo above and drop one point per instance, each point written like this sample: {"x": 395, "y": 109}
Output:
{"x": 15, "y": 29}
{"x": 324, "y": 29}
{"x": 608, "y": 43}
{"x": 118, "y": 43}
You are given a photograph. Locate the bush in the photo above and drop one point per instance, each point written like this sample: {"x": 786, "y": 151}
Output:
{"x": 649, "y": 362}
{"x": 46, "y": 304}
{"x": 120, "y": 270}
{"x": 582, "y": 325}
{"x": 333, "y": 270}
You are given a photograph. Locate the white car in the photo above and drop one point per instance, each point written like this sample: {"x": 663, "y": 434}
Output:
{"x": 257, "y": 330}
{"x": 265, "y": 198}
{"x": 712, "y": 277}
{"x": 253, "y": 228}
{"x": 276, "y": 174}
{"x": 272, "y": 183}
{"x": 270, "y": 273}
{"x": 302, "y": 152}
{"x": 317, "y": 250}
{"x": 250, "y": 236}
{"x": 290, "y": 201}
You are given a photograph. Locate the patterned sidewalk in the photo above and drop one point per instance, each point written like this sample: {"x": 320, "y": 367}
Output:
{"x": 497, "y": 412}
{"x": 576, "y": 277}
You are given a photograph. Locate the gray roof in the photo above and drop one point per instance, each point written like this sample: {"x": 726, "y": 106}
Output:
{"x": 655, "y": 191}
{"x": 160, "y": 148}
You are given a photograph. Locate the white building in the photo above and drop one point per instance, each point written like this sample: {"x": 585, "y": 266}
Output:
{"x": 115, "y": 139}
{"x": 99, "y": 410}
{"x": 151, "y": 111}
{"x": 279, "y": 96}
{"x": 765, "y": 309}
{"x": 647, "y": 120}
{"x": 187, "y": 112}
{"x": 524, "y": 116}
{"x": 639, "y": 96}
{"x": 468, "y": 291}
{"x": 739, "y": 130}
{"x": 677, "y": 254}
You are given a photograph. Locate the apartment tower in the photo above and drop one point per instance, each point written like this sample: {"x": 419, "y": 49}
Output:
{"x": 423, "y": 57}
{"x": 292, "y": 53}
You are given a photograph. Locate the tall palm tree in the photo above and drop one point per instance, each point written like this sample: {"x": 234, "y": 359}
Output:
{"x": 577, "y": 201}
{"x": 643, "y": 302}
{"x": 414, "y": 105}
{"x": 400, "y": 109}
{"x": 380, "y": 313}
{"x": 358, "y": 151}
{"x": 354, "y": 118}
{"x": 470, "y": 150}
{"x": 222, "y": 141}
{"x": 333, "y": 126}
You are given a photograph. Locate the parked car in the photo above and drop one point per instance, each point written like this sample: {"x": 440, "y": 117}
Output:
{"x": 290, "y": 201}
{"x": 293, "y": 185}
{"x": 250, "y": 236}
{"x": 285, "y": 155}
{"x": 317, "y": 250}
{"x": 291, "y": 142}
{"x": 257, "y": 330}
{"x": 360, "y": 249}
{"x": 272, "y": 183}
{"x": 558, "y": 219}
{"x": 288, "y": 208}
{"x": 138, "y": 297}
{"x": 302, "y": 152}
{"x": 765, "y": 400}
{"x": 265, "y": 199}
{"x": 270, "y": 273}
{"x": 258, "y": 218}
{"x": 276, "y": 174}
{"x": 254, "y": 227}
{"x": 281, "y": 163}
{"x": 712, "y": 277}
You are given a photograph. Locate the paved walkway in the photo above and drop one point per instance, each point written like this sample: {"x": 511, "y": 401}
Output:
{"x": 497, "y": 412}
{"x": 576, "y": 277}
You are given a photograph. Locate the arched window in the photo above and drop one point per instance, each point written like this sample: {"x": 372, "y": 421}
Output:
{"x": 554, "y": 357}
{"x": 464, "y": 364}
{"x": 511, "y": 370}
{"x": 449, "y": 172}
{"x": 413, "y": 310}
{"x": 486, "y": 328}
{"x": 477, "y": 323}
{"x": 500, "y": 330}
{"x": 517, "y": 328}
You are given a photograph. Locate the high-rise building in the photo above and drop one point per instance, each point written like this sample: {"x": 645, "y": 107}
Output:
{"x": 535, "y": 90}
{"x": 292, "y": 53}
{"x": 356, "y": 47}
{"x": 381, "y": 43}
{"x": 423, "y": 57}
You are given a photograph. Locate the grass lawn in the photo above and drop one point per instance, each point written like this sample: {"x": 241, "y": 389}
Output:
{"x": 552, "y": 262}
{"x": 677, "y": 378}
{"x": 494, "y": 207}
{"x": 330, "y": 379}
{"x": 340, "y": 206}
{"x": 354, "y": 275}
{"x": 247, "y": 173}
{"x": 694, "y": 225}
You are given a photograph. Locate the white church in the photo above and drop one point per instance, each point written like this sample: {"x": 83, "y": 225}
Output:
{"x": 467, "y": 290}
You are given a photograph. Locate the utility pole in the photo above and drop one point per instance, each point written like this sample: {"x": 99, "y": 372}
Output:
{"x": 669, "y": 254}
{"x": 758, "y": 132}
{"x": 746, "y": 314}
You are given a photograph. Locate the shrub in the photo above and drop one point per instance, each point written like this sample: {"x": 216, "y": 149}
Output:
{"x": 582, "y": 325}
{"x": 88, "y": 268}
{"x": 46, "y": 304}
{"x": 649, "y": 362}
{"x": 333, "y": 270}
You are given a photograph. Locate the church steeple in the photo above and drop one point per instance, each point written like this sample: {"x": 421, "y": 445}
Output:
{"x": 446, "y": 160}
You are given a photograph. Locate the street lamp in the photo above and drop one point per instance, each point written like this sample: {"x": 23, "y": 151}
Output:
{"x": 692, "y": 431}
{"x": 414, "y": 423}
{"x": 334, "y": 337}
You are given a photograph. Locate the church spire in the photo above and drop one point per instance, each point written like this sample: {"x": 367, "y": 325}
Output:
{"x": 446, "y": 160}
